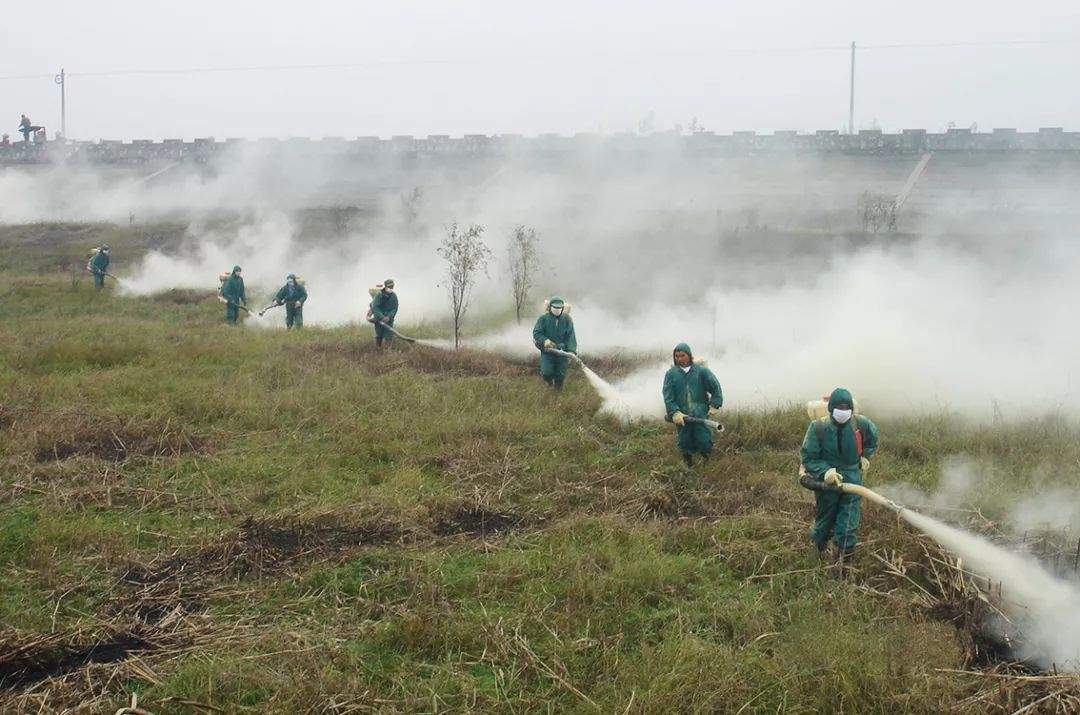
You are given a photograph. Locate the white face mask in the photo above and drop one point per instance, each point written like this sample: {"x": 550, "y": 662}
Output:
{"x": 685, "y": 369}
{"x": 841, "y": 416}
{"x": 556, "y": 312}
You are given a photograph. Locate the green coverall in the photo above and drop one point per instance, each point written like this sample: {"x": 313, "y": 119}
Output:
{"x": 232, "y": 290}
{"x": 99, "y": 263}
{"x": 837, "y": 513}
{"x": 293, "y": 296}
{"x": 692, "y": 392}
{"x": 560, "y": 331}
{"x": 384, "y": 306}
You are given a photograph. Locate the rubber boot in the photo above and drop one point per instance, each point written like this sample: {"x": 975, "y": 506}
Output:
{"x": 557, "y": 384}
{"x": 688, "y": 460}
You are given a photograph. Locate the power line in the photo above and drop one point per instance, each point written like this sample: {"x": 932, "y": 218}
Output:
{"x": 985, "y": 43}
{"x": 434, "y": 62}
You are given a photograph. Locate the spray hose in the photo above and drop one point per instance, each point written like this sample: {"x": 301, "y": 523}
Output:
{"x": 389, "y": 327}
{"x": 873, "y": 496}
{"x": 816, "y": 485}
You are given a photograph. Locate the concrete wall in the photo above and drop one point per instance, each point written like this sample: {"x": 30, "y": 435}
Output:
{"x": 866, "y": 142}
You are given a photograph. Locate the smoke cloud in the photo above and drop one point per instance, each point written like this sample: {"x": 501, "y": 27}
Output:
{"x": 757, "y": 262}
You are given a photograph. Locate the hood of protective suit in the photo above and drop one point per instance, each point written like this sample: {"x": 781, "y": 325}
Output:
{"x": 838, "y": 396}
{"x": 682, "y": 348}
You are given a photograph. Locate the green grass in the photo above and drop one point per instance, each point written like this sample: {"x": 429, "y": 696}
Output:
{"x": 144, "y": 433}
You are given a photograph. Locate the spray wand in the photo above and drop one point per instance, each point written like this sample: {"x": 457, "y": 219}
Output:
{"x": 105, "y": 273}
{"x": 406, "y": 338}
{"x": 711, "y": 424}
{"x": 565, "y": 354}
{"x": 226, "y": 301}
{"x": 816, "y": 485}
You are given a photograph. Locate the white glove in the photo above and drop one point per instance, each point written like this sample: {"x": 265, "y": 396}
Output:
{"x": 833, "y": 479}
{"x": 714, "y": 412}
{"x": 864, "y": 463}
{"x": 678, "y": 418}
{"x": 548, "y": 345}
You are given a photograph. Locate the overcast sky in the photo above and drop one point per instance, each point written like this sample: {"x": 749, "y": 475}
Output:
{"x": 499, "y": 66}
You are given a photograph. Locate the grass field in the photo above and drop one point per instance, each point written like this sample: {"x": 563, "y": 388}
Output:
{"x": 261, "y": 521}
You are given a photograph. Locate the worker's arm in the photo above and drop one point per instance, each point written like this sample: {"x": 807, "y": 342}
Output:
{"x": 571, "y": 338}
{"x": 716, "y": 393}
{"x": 671, "y": 406}
{"x": 538, "y": 333}
{"x": 811, "y": 454}
{"x": 870, "y": 437}
{"x": 303, "y": 295}
{"x": 391, "y": 310}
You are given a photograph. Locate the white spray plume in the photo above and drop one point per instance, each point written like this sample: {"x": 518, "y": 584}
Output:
{"x": 1046, "y": 609}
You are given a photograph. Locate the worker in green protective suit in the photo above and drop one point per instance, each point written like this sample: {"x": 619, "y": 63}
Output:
{"x": 384, "y": 308}
{"x": 232, "y": 292}
{"x": 837, "y": 449}
{"x": 554, "y": 329}
{"x": 99, "y": 265}
{"x": 292, "y": 295}
{"x": 691, "y": 390}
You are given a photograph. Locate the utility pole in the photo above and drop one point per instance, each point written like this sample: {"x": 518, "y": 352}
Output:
{"x": 59, "y": 79}
{"x": 851, "y": 102}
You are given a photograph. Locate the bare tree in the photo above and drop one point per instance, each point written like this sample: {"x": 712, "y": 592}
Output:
{"x": 523, "y": 254}
{"x": 410, "y": 208}
{"x": 466, "y": 255}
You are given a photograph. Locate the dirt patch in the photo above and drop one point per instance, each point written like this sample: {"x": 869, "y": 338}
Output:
{"x": 268, "y": 546}
{"x": 25, "y": 665}
{"x": 478, "y": 522}
{"x": 265, "y": 547}
{"x": 183, "y": 296}
{"x": 112, "y": 440}
{"x": 185, "y": 582}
